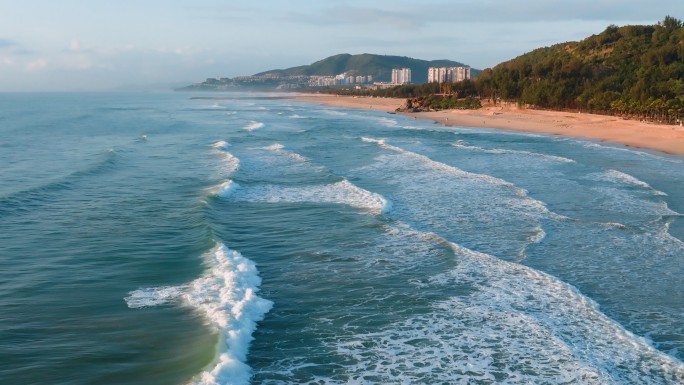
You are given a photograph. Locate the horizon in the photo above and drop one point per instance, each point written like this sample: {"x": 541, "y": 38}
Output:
{"x": 79, "y": 46}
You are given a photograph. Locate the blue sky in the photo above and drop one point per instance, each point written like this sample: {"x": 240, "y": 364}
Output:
{"x": 70, "y": 45}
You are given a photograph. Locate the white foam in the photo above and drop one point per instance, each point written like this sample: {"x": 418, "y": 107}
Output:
{"x": 445, "y": 167}
{"x": 621, "y": 177}
{"x": 226, "y": 295}
{"x": 274, "y": 147}
{"x": 514, "y": 325}
{"x": 536, "y": 237}
{"x": 295, "y": 116}
{"x": 593, "y": 145}
{"x": 253, "y": 125}
{"x": 461, "y": 145}
{"x": 229, "y": 163}
{"x": 280, "y": 149}
{"x": 614, "y": 225}
{"x": 342, "y": 192}
{"x": 664, "y": 233}
{"x": 220, "y": 145}
{"x": 223, "y": 189}
{"x": 154, "y": 296}
{"x": 335, "y": 112}
{"x": 526, "y": 202}
{"x": 387, "y": 122}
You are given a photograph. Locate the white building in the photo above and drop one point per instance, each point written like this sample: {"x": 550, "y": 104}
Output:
{"x": 401, "y": 76}
{"x": 448, "y": 74}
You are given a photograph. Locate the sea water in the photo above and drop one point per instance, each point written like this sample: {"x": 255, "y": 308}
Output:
{"x": 156, "y": 238}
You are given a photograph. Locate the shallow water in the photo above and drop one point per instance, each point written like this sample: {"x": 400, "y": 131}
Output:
{"x": 157, "y": 239}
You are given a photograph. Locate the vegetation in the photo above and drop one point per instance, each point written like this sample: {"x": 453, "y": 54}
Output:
{"x": 441, "y": 102}
{"x": 422, "y": 97}
{"x": 378, "y": 66}
{"x": 633, "y": 71}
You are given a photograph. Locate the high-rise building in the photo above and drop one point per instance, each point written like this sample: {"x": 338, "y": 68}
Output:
{"x": 401, "y": 76}
{"x": 460, "y": 74}
{"x": 448, "y": 74}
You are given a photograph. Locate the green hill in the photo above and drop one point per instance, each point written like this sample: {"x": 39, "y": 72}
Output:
{"x": 379, "y": 66}
{"x": 634, "y": 71}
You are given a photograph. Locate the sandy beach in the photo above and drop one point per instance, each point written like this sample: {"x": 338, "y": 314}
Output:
{"x": 665, "y": 138}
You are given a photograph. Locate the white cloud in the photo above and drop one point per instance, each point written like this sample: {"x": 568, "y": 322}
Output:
{"x": 75, "y": 45}
{"x": 36, "y": 65}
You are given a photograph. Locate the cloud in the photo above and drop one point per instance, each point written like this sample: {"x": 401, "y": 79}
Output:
{"x": 408, "y": 16}
{"x": 74, "y": 45}
{"x": 355, "y": 16}
{"x": 4, "y": 43}
{"x": 36, "y": 65}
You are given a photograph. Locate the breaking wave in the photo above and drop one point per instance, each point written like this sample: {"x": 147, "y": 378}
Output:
{"x": 226, "y": 295}
{"x": 253, "y": 125}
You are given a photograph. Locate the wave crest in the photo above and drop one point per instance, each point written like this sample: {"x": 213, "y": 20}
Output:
{"x": 226, "y": 295}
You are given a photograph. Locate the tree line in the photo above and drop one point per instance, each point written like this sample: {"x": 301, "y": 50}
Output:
{"x": 633, "y": 71}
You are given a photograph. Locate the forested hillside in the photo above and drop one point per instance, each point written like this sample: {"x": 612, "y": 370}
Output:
{"x": 636, "y": 71}
{"x": 378, "y": 66}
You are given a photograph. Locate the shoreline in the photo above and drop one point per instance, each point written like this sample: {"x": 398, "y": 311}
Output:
{"x": 506, "y": 116}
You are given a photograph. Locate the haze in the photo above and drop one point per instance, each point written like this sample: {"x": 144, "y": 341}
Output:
{"x": 73, "y": 45}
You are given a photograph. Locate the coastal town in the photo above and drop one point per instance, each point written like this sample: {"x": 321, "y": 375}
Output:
{"x": 352, "y": 78}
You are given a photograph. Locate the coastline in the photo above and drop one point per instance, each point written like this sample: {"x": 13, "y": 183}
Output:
{"x": 632, "y": 133}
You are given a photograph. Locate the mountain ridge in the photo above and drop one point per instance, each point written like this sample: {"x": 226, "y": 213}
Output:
{"x": 378, "y": 66}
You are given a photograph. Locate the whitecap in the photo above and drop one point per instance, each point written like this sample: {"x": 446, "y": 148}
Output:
{"x": 616, "y": 176}
{"x": 335, "y": 112}
{"x": 525, "y": 202}
{"x": 280, "y": 149}
{"x": 226, "y": 295}
{"x": 253, "y": 125}
{"x": 223, "y": 189}
{"x": 229, "y": 162}
{"x": 221, "y": 144}
{"x": 387, "y": 122}
{"x": 342, "y": 192}
{"x": 515, "y": 325}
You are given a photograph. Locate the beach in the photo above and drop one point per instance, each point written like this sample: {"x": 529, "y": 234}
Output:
{"x": 633, "y": 133}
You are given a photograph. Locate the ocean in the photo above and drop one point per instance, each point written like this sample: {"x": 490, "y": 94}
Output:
{"x": 157, "y": 238}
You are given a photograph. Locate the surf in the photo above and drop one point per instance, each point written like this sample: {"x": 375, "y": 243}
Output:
{"x": 226, "y": 295}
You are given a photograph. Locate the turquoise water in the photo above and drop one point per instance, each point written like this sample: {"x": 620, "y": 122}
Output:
{"x": 152, "y": 238}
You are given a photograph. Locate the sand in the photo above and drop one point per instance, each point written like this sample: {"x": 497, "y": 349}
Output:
{"x": 633, "y": 133}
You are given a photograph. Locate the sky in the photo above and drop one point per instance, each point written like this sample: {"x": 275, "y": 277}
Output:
{"x": 93, "y": 45}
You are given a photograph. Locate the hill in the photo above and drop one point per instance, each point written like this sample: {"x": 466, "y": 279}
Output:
{"x": 635, "y": 71}
{"x": 379, "y": 66}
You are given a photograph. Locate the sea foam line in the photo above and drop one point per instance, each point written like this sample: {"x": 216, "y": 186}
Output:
{"x": 280, "y": 149}
{"x": 342, "y": 192}
{"x": 621, "y": 177}
{"x": 439, "y": 166}
{"x": 461, "y": 145}
{"x": 226, "y": 295}
{"x": 515, "y": 326}
{"x": 230, "y": 163}
{"x": 223, "y": 189}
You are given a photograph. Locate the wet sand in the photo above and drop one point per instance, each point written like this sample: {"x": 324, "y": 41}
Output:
{"x": 633, "y": 133}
